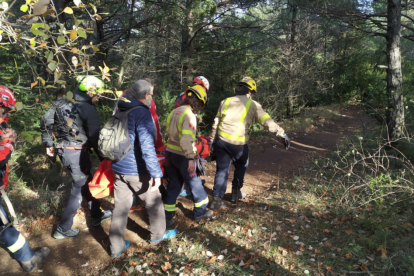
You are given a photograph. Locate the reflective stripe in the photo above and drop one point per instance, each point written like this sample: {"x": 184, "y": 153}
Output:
{"x": 18, "y": 244}
{"x": 223, "y": 114}
{"x": 243, "y": 117}
{"x": 226, "y": 105}
{"x": 201, "y": 203}
{"x": 169, "y": 207}
{"x": 264, "y": 117}
{"x": 232, "y": 137}
{"x": 218, "y": 114}
{"x": 168, "y": 120}
{"x": 189, "y": 132}
{"x": 180, "y": 123}
{"x": 174, "y": 147}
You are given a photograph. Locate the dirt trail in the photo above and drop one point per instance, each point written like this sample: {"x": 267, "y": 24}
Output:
{"x": 268, "y": 162}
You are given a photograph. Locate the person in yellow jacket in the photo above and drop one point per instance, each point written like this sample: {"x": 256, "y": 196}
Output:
{"x": 180, "y": 164}
{"x": 230, "y": 134}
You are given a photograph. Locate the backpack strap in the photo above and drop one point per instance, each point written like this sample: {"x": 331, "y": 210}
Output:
{"x": 132, "y": 108}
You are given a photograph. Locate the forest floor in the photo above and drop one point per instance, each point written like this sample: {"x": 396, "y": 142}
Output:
{"x": 227, "y": 243}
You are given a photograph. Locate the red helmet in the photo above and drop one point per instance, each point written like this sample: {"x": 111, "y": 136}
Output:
{"x": 203, "y": 82}
{"x": 7, "y": 98}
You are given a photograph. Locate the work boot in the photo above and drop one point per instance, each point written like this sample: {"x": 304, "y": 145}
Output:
{"x": 39, "y": 256}
{"x": 218, "y": 203}
{"x": 237, "y": 194}
{"x": 105, "y": 216}
{"x": 71, "y": 233}
{"x": 207, "y": 215}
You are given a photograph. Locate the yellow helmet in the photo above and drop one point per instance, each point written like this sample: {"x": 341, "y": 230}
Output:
{"x": 199, "y": 91}
{"x": 249, "y": 83}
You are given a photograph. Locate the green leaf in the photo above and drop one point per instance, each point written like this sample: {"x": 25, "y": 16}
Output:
{"x": 69, "y": 95}
{"x": 52, "y": 66}
{"x": 32, "y": 43}
{"x": 61, "y": 40}
{"x": 37, "y": 32}
{"x": 19, "y": 106}
{"x": 42, "y": 80}
{"x": 24, "y": 8}
{"x": 93, "y": 7}
{"x": 50, "y": 56}
{"x": 81, "y": 33}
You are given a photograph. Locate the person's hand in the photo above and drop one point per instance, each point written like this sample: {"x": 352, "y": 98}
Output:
{"x": 50, "y": 151}
{"x": 3, "y": 187}
{"x": 10, "y": 134}
{"x": 191, "y": 166}
{"x": 286, "y": 141}
{"x": 156, "y": 184}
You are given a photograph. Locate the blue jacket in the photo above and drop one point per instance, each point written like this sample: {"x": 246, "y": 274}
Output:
{"x": 142, "y": 159}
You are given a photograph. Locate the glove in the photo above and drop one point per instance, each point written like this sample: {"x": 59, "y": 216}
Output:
{"x": 211, "y": 147}
{"x": 286, "y": 141}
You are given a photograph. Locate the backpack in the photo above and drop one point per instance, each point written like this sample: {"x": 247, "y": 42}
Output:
{"x": 68, "y": 122}
{"x": 114, "y": 143}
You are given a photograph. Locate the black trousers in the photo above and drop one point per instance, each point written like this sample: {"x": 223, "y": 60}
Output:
{"x": 78, "y": 162}
{"x": 226, "y": 153}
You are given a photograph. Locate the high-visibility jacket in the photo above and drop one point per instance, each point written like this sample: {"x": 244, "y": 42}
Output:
{"x": 234, "y": 117}
{"x": 181, "y": 131}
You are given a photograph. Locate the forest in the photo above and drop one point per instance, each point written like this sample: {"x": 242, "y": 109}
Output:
{"x": 335, "y": 74}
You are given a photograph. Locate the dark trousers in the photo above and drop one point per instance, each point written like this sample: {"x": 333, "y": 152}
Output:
{"x": 79, "y": 163}
{"x": 176, "y": 167}
{"x": 14, "y": 241}
{"x": 226, "y": 153}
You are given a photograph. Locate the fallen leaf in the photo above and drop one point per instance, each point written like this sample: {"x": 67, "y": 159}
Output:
{"x": 328, "y": 244}
{"x": 364, "y": 267}
{"x": 247, "y": 264}
{"x": 349, "y": 255}
{"x": 212, "y": 260}
{"x": 349, "y": 232}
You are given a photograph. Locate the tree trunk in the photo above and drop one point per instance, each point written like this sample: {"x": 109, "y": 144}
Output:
{"x": 395, "y": 118}
{"x": 187, "y": 32}
{"x": 290, "y": 97}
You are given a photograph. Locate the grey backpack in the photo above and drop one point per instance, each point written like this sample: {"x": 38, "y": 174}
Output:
{"x": 114, "y": 143}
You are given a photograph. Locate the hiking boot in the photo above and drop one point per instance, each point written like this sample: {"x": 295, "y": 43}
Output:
{"x": 169, "y": 234}
{"x": 218, "y": 203}
{"x": 237, "y": 194}
{"x": 184, "y": 194}
{"x": 71, "y": 233}
{"x": 105, "y": 216}
{"x": 39, "y": 256}
{"x": 169, "y": 222}
{"x": 126, "y": 246}
{"x": 207, "y": 215}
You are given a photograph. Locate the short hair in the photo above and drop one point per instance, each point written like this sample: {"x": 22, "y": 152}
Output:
{"x": 151, "y": 81}
{"x": 241, "y": 90}
{"x": 139, "y": 89}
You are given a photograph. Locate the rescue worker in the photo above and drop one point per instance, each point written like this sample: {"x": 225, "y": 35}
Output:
{"x": 78, "y": 128}
{"x": 230, "y": 134}
{"x": 185, "y": 191}
{"x": 180, "y": 155}
{"x": 138, "y": 173}
{"x": 9, "y": 236}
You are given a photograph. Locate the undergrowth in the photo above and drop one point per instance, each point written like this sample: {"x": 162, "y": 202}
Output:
{"x": 348, "y": 213}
